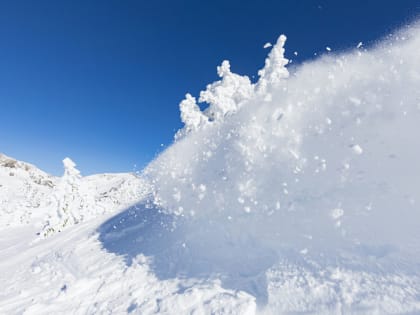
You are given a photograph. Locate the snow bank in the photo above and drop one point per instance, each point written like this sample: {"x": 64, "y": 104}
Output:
{"x": 318, "y": 167}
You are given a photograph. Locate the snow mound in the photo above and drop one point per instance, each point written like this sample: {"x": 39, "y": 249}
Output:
{"x": 315, "y": 168}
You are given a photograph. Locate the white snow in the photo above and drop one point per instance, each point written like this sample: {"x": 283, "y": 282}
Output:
{"x": 357, "y": 149}
{"x": 296, "y": 194}
{"x": 29, "y": 196}
{"x": 300, "y": 136}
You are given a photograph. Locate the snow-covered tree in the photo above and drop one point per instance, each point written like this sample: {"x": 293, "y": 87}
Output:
{"x": 191, "y": 115}
{"x": 274, "y": 70}
{"x": 68, "y": 199}
{"x": 227, "y": 95}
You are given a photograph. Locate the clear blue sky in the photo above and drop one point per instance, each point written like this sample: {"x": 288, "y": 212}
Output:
{"x": 100, "y": 81}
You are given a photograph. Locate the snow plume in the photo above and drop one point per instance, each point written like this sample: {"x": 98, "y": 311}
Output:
{"x": 320, "y": 167}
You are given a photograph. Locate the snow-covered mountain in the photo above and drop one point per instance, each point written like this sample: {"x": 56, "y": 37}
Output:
{"x": 23, "y": 189}
{"x": 297, "y": 194}
{"x": 31, "y": 196}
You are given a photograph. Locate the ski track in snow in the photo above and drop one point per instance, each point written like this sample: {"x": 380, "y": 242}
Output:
{"x": 295, "y": 195}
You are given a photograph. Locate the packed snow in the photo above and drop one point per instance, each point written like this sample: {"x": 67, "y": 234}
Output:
{"x": 297, "y": 194}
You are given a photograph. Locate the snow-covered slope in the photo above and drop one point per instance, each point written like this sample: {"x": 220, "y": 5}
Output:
{"x": 30, "y": 196}
{"x": 44, "y": 272}
{"x": 298, "y": 194}
{"x": 24, "y": 191}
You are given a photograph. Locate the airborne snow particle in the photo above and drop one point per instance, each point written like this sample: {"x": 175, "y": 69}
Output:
{"x": 357, "y": 149}
{"x": 337, "y": 213}
{"x": 304, "y": 251}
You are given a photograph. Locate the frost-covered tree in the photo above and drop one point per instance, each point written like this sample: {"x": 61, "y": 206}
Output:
{"x": 274, "y": 70}
{"x": 68, "y": 199}
{"x": 232, "y": 91}
{"x": 225, "y": 96}
{"x": 191, "y": 115}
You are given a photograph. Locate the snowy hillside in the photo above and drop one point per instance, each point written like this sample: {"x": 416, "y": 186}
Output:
{"x": 297, "y": 194}
{"x": 23, "y": 189}
{"x": 30, "y": 196}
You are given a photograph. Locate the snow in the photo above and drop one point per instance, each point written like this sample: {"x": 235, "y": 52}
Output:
{"x": 191, "y": 115}
{"x": 295, "y": 194}
{"x": 29, "y": 196}
{"x": 357, "y": 149}
{"x": 333, "y": 135}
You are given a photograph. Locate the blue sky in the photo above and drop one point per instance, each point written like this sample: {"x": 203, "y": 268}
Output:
{"x": 100, "y": 81}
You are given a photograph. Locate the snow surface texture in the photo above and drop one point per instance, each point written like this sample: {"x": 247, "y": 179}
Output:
{"x": 298, "y": 194}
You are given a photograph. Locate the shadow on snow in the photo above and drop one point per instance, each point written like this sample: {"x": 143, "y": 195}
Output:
{"x": 181, "y": 248}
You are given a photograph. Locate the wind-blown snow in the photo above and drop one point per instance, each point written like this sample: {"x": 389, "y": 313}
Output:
{"x": 316, "y": 166}
{"x": 299, "y": 193}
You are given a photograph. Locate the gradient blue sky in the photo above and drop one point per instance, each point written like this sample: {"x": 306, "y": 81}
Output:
{"x": 100, "y": 81}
